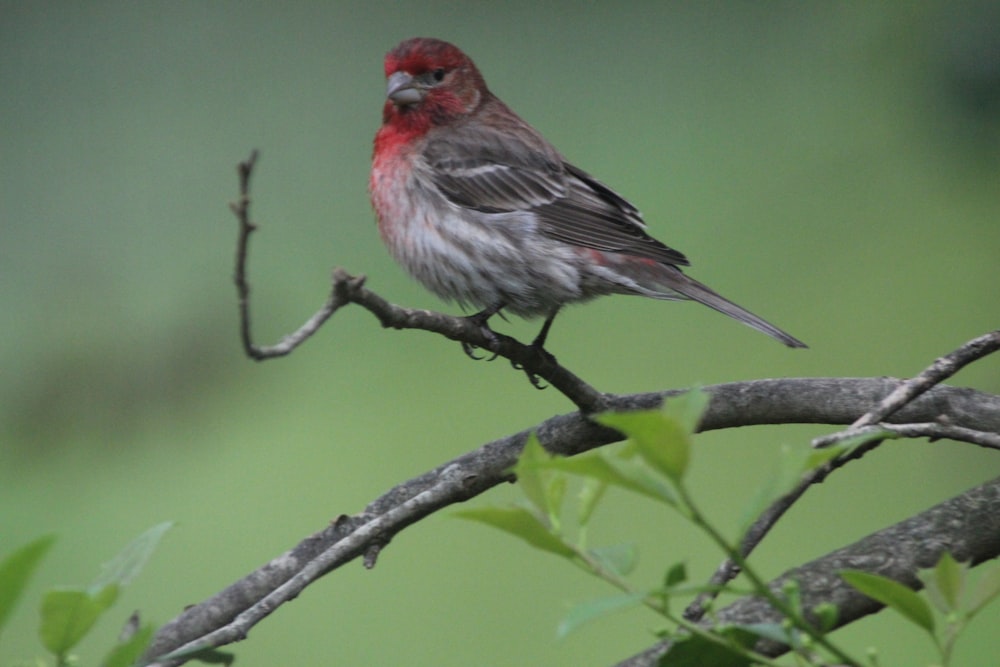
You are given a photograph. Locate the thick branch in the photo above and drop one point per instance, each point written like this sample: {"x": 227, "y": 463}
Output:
{"x": 817, "y": 400}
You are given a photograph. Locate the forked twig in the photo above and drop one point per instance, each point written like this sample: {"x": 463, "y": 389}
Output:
{"x": 942, "y": 368}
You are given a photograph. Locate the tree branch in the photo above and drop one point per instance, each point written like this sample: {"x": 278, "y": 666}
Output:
{"x": 915, "y": 408}
{"x": 231, "y": 613}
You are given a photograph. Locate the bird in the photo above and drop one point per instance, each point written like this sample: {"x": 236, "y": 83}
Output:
{"x": 482, "y": 210}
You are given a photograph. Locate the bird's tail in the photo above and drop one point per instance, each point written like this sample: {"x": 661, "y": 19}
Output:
{"x": 689, "y": 288}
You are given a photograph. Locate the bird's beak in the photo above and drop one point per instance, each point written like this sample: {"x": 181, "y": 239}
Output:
{"x": 402, "y": 90}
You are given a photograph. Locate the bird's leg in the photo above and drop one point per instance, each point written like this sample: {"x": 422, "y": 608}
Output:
{"x": 481, "y": 320}
{"x": 538, "y": 346}
{"x": 539, "y": 342}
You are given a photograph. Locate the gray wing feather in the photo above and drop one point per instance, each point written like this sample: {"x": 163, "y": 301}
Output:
{"x": 504, "y": 171}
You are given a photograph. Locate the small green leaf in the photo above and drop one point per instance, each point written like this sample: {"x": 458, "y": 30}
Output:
{"x": 619, "y": 559}
{"x": 676, "y": 575}
{"x": 892, "y": 594}
{"x": 818, "y": 457}
{"x": 590, "y": 495}
{"x": 868, "y": 436}
{"x": 626, "y": 474}
{"x": 530, "y": 476}
{"x": 986, "y": 590}
{"x": 947, "y": 580}
{"x": 127, "y": 652}
{"x": 594, "y": 609}
{"x": 775, "y": 632}
{"x": 522, "y": 523}
{"x": 792, "y": 593}
{"x": 688, "y": 408}
{"x": 68, "y": 614}
{"x": 827, "y": 614}
{"x": 661, "y": 440}
{"x": 129, "y": 562}
{"x": 780, "y": 481}
{"x": 555, "y": 491}
{"x": 15, "y": 571}
{"x": 697, "y": 651}
{"x": 792, "y": 464}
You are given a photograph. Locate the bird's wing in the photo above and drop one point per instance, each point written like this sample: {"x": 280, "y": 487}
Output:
{"x": 502, "y": 171}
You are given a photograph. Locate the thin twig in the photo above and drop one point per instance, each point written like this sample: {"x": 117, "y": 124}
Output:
{"x": 932, "y": 430}
{"x": 241, "y": 209}
{"x": 939, "y": 371}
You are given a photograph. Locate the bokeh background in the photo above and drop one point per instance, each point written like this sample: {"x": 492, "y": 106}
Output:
{"x": 833, "y": 167}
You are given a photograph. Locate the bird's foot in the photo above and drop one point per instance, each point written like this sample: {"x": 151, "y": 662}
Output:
{"x": 542, "y": 356}
{"x": 481, "y": 320}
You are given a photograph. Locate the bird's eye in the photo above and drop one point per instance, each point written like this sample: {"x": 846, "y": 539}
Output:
{"x": 438, "y": 74}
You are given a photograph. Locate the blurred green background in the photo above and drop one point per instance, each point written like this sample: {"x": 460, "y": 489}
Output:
{"x": 833, "y": 167}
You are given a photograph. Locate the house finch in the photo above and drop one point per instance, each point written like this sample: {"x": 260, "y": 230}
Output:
{"x": 482, "y": 210}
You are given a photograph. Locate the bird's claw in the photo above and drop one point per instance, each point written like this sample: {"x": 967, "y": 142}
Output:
{"x": 481, "y": 320}
{"x": 535, "y": 381}
{"x": 470, "y": 351}
{"x": 533, "y": 378}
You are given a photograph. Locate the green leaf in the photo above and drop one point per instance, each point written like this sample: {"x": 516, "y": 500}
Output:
{"x": 129, "y": 562}
{"x": 676, "y": 575}
{"x": 780, "y": 481}
{"x": 986, "y": 590}
{"x": 555, "y": 491}
{"x": 127, "y": 652}
{"x": 688, "y": 408}
{"x": 947, "y": 580}
{"x": 15, "y": 571}
{"x": 792, "y": 463}
{"x": 792, "y": 593}
{"x": 590, "y": 495}
{"x": 775, "y": 632}
{"x": 619, "y": 559}
{"x": 594, "y": 609}
{"x": 522, "y": 523}
{"x": 868, "y": 436}
{"x": 68, "y": 614}
{"x": 626, "y": 474}
{"x": 819, "y": 457}
{"x": 826, "y": 613}
{"x": 892, "y": 594}
{"x": 661, "y": 440}
{"x": 530, "y": 476}
{"x": 697, "y": 651}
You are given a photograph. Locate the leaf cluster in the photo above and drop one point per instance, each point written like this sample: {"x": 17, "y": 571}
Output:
{"x": 653, "y": 464}
{"x": 69, "y": 613}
